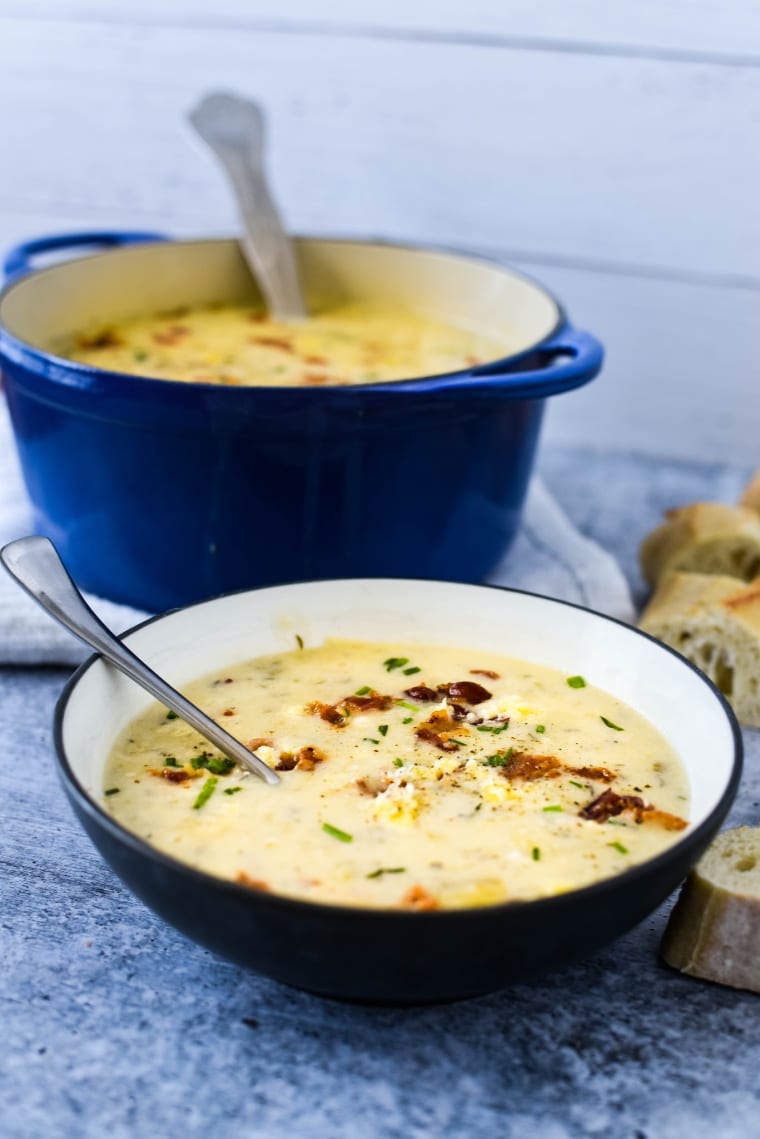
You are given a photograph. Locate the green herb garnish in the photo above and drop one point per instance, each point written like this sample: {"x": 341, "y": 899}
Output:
{"x": 609, "y": 723}
{"x": 411, "y": 671}
{"x": 232, "y": 790}
{"x": 171, "y": 761}
{"x": 299, "y": 640}
{"x": 172, "y": 715}
{"x": 205, "y": 793}
{"x": 387, "y": 870}
{"x": 363, "y": 691}
{"x": 383, "y": 729}
{"x": 139, "y": 356}
{"x": 395, "y": 662}
{"x": 554, "y": 807}
{"x": 576, "y": 682}
{"x": 405, "y": 704}
{"x": 540, "y": 728}
{"x": 336, "y": 832}
{"x": 536, "y": 854}
{"x": 398, "y": 762}
{"x": 112, "y": 791}
{"x": 407, "y": 719}
{"x": 619, "y": 847}
{"x": 459, "y": 743}
{"x": 500, "y": 758}
{"x": 369, "y": 740}
{"x": 575, "y": 783}
{"x": 216, "y": 764}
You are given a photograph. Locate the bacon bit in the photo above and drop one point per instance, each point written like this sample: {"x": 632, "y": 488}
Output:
{"x": 171, "y": 335}
{"x": 313, "y": 379}
{"x": 438, "y": 729}
{"x": 272, "y": 342}
{"x": 319, "y": 361}
{"x": 328, "y": 712}
{"x": 228, "y": 712}
{"x": 471, "y": 360}
{"x": 531, "y": 767}
{"x": 107, "y": 338}
{"x": 373, "y": 784}
{"x": 308, "y": 757}
{"x": 418, "y": 898}
{"x": 422, "y": 693}
{"x": 466, "y": 690}
{"x": 286, "y": 762}
{"x": 227, "y": 680}
{"x": 458, "y": 711}
{"x": 174, "y": 774}
{"x": 365, "y": 703}
{"x": 338, "y": 712}
{"x": 609, "y": 804}
{"x": 485, "y": 672}
{"x": 244, "y": 879}
{"x": 602, "y": 774}
{"x": 259, "y": 741}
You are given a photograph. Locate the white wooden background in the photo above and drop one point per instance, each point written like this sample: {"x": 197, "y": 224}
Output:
{"x": 609, "y": 148}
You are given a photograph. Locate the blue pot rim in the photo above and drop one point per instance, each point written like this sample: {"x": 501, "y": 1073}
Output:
{"x": 502, "y": 375}
{"x": 556, "y": 904}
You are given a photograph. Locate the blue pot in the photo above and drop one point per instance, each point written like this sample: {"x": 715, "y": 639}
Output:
{"x": 159, "y": 493}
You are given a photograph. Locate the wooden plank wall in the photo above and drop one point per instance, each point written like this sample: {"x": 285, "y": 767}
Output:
{"x": 609, "y": 149}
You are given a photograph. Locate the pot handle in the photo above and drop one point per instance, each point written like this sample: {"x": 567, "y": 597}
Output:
{"x": 18, "y": 260}
{"x": 567, "y": 360}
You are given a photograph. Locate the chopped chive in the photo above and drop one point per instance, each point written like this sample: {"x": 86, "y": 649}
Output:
{"x": 398, "y": 762}
{"x": 407, "y": 719}
{"x": 172, "y": 715}
{"x": 363, "y": 691}
{"x": 410, "y": 707}
{"x": 540, "y": 728}
{"x": 554, "y": 807}
{"x": 369, "y": 740}
{"x": 575, "y": 783}
{"x": 299, "y": 640}
{"x": 205, "y": 793}
{"x": 536, "y": 854}
{"x": 499, "y": 758}
{"x": 411, "y": 671}
{"x": 112, "y": 791}
{"x": 576, "y": 682}
{"x": 232, "y": 790}
{"x": 503, "y": 728}
{"x": 220, "y": 765}
{"x": 171, "y": 761}
{"x": 395, "y": 662}
{"x": 480, "y": 804}
{"x": 383, "y": 729}
{"x": 459, "y": 743}
{"x": 387, "y": 870}
{"x": 609, "y": 723}
{"x": 336, "y": 832}
{"x": 484, "y": 728}
{"x": 619, "y": 847}
{"x": 139, "y": 356}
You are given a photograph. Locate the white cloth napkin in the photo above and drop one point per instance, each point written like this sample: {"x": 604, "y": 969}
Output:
{"x": 548, "y": 556}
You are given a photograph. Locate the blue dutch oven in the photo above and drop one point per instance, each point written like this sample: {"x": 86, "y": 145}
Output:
{"x": 159, "y": 493}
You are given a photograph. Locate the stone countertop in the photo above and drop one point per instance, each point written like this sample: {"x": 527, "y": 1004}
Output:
{"x": 113, "y": 1024}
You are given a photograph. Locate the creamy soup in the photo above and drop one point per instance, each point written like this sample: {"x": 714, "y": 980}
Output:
{"x": 411, "y": 777}
{"x": 355, "y": 343}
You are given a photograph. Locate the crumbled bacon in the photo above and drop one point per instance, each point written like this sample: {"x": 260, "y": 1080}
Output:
{"x": 174, "y": 774}
{"x": 171, "y": 335}
{"x": 318, "y": 361}
{"x": 485, "y": 672}
{"x": 366, "y": 703}
{"x": 286, "y": 762}
{"x": 244, "y": 879}
{"x": 601, "y": 774}
{"x": 328, "y": 712}
{"x": 273, "y": 342}
{"x": 107, "y": 338}
{"x": 609, "y": 804}
{"x": 228, "y": 712}
{"x": 314, "y": 379}
{"x": 418, "y": 898}
{"x": 308, "y": 757}
{"x": 467, "y": 690}
{"x": 422, "y": 693}
{"x": 438, "y": 731}
{"x": 337, "y": 713}
{"x": 520, "y": 765}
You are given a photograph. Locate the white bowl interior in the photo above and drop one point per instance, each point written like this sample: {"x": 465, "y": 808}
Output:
{"x": 215, "y": 634}
{"x": 47, "y": 308}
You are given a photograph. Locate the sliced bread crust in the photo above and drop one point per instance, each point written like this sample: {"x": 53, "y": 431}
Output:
{"x": 706, "y": 537}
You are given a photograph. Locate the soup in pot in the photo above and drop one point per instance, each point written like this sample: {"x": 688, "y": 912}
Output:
{"x": 354, "y": 343}
{"x": 413, "y": 777}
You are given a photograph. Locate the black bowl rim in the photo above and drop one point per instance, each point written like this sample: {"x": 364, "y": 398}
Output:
{"x": 553, "y": 904}
{"x": 27, "y": 353}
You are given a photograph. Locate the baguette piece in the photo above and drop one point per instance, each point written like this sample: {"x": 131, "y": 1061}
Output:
{"x": 714, "y": 621}
{"x": 706, "y": 537}
{"x": 714, "y": 929}
{"x": 751, "y": 495}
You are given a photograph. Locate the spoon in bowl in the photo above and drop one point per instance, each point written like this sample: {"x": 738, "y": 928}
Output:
{"x": 234, "y": 129}
{"x": 36, "y": 566}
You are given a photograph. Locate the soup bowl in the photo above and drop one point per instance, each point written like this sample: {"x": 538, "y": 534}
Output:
{"x": 395, "y": 955}
{"x": 159, "y": 493}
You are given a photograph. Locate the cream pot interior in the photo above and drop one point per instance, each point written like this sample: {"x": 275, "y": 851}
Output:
{"x": 50, "y": 306}
{"x": 655, "y": 681}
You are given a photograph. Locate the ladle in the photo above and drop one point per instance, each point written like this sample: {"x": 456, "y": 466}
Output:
{"x": 36, "y": 566}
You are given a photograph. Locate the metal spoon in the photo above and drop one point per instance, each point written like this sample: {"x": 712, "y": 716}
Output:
{"x": 234, "y": 129}
{"x": 36, "y": 566}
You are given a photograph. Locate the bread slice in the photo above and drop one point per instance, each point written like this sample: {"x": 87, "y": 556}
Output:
{"x": 714, "y": 930}
{"x": 706, "y": 537}
{"x": 715, "y": 622}
{"x": 751, "y": 496}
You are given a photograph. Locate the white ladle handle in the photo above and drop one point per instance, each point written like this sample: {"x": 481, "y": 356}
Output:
{"x": 36, "y": 566}
{"x": 234, "y": 129}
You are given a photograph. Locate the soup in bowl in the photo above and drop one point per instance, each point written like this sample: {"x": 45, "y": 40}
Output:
{"x": 476, "y": 784}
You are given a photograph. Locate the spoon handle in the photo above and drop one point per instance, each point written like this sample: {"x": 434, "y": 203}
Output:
{"x": 36, "y": 566}
{"x": 234, "y": 129}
